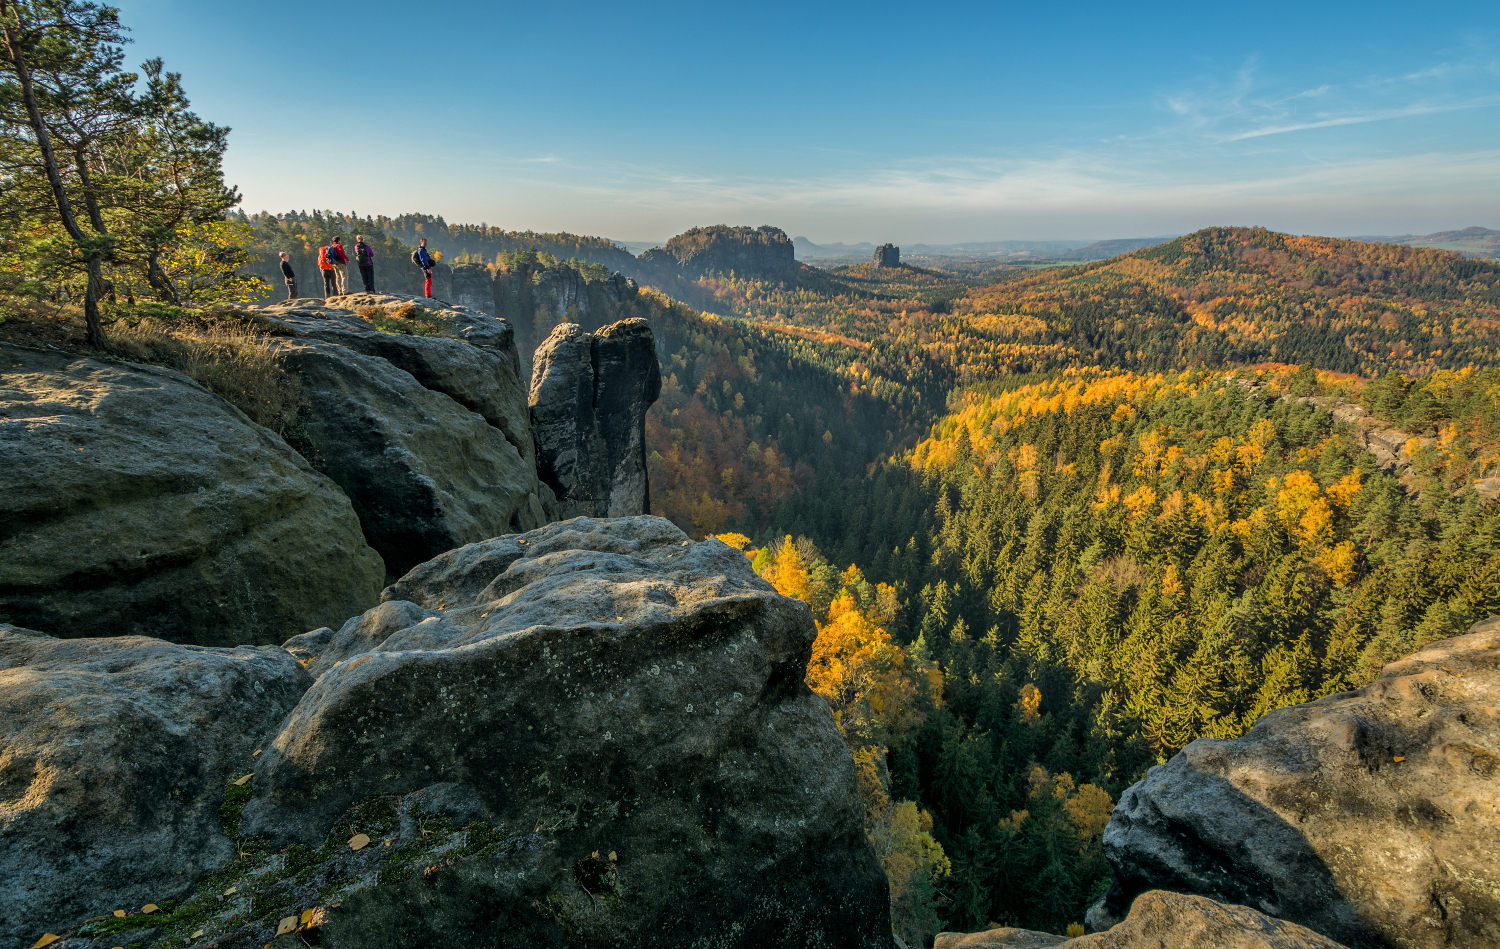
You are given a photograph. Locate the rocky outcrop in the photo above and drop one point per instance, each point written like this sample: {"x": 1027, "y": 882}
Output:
{"x": 1372, "y": 817}
{"x": 635, "y": 699}
{"x": 589, "y": 397}
{"x": 537, "y": 296}
{"x": 428, "y": 436}
{"x": 1162, "y": 920}
{"x": 114, "y": 757}
{"x": 134, "y": 502}
{"x": 745, "y": 251}
{"x": 887, "y": 255}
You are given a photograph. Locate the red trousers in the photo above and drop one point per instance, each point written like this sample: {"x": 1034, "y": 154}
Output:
{"x": 427, "y": 286}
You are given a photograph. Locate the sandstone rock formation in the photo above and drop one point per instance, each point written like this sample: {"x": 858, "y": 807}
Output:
{"x": 746, "y": 251}
{"x": 887, "y": 255}
{"x": 114, "y": 756}
{"x": 637, "y": 701}
{"x": 429, "y": 437}
{"x": 1162, "y": 920}
{"x": 1372, "y": 817}
{"x": 589, "y": 396}
{"x": 134, "y": 502}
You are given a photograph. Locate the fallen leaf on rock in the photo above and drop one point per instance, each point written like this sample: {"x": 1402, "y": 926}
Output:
{"x": 286, "y": 925}
{"x": 46, "y": 940}
{"x": 255, "y": 752}
{"x": 231, "y": 891}
{"x": 315, "y": 918}
{"x": 304, "y": 663}
{"x": 241, "y": 782}
{"x": 1400, "y": 758}
{"x": 120, "y": 914}
{"x": 197, "y": 934}
{"x": 612, "y": 857}
{"x": 150, "y": 908}
{"x": 359, "y": 841}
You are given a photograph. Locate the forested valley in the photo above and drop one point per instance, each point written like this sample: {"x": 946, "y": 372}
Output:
{"x": 1056, "y": 526}
{"x": 1053, "y": 524}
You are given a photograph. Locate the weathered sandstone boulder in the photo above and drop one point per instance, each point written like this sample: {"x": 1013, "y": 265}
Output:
{"x": 114, "y": 757}
{"x": 1006, "y": 937}
{"x": 429, "y": 437}
{"x": 134, "y": 502}
{"x": 633, "y": 700}
{"x": 1372, "y": 816}
{"x": 1162, "y": 920}
{"x": 589, "y": 397}
{"x": 887, "y": 255}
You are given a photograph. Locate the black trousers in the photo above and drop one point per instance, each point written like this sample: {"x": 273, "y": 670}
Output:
{"x": 291, "y": 288}
{"x": 367, "y": 274}
{"x": 330, "y": 283}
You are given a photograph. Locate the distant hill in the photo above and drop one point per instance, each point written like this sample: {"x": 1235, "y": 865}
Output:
{"x": 1054, "y": 250}
{"x": 1470, "y": 241}
{"x": 1102, "y": 250}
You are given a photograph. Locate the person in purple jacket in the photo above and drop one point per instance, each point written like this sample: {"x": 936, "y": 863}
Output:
{"x": 364, "y": 256}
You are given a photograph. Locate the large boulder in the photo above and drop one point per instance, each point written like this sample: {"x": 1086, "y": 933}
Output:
{"x": 589, "y": 397}
{"x": 114, "y": 759}
{"x": 430, "y": 437}
{"x": 1372, "y": 816}
{"x": 134, "y": 502}
{"x": 1161, "y": 920}
{"x": 635, "y": 699}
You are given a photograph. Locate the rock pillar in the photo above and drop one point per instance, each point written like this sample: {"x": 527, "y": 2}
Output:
{"x": 589, "y": 397}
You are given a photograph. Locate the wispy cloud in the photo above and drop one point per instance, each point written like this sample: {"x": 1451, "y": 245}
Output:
{"x": 1380, "y": 116}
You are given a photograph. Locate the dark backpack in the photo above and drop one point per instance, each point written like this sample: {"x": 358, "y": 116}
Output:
{"x": 362, "y": 254}
{"x": 416, "y": 258}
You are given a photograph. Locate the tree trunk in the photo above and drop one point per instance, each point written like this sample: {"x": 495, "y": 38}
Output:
{"x": 91, "y": 304}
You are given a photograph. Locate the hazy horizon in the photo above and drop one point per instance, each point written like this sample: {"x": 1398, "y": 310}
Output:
{"x": 846, "y": 123}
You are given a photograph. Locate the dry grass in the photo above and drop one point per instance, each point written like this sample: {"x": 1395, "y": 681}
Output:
{"x": 408, "y": 318}
{"x": 229, "y": 353}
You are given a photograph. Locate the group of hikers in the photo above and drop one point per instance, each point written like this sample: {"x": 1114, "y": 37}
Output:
{"x": 333, "y": 259}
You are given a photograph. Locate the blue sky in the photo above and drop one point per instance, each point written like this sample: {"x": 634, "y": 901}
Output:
{"x": 912, "y": 122}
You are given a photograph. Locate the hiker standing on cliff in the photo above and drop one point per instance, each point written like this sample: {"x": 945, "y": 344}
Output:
{"x": 325, "y": 264}
{"x": 339, "y": 259}
{"x": 288, "y": 275}
{"x": 364, "y": 256}
{"x": 423, "y": 259}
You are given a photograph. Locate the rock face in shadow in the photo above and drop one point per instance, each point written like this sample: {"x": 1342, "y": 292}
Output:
{"x": 114, "y": 757}
{"x": 134, "y": 502}
{"x": 428, "y": 436}
{"x": 589, "y": 397}
{"x": 633, "y": 699}
{"x": 1372, "y": 817}
{"x": 887, "y": 255}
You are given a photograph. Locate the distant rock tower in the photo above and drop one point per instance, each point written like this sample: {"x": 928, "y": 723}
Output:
{"x": 887, "y": 255}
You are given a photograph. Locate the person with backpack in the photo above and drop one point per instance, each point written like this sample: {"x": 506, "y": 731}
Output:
{"x": 364, "y": 256}
{"x": 288, "y": 275}
{"x": 423, "y": 259}
{"x": 325, "y": 264}
{"x": 339, "y": 259}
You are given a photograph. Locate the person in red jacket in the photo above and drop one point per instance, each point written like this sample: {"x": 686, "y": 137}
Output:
{"x": 325, "y": 264}
{"x": 340, "y": 261}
